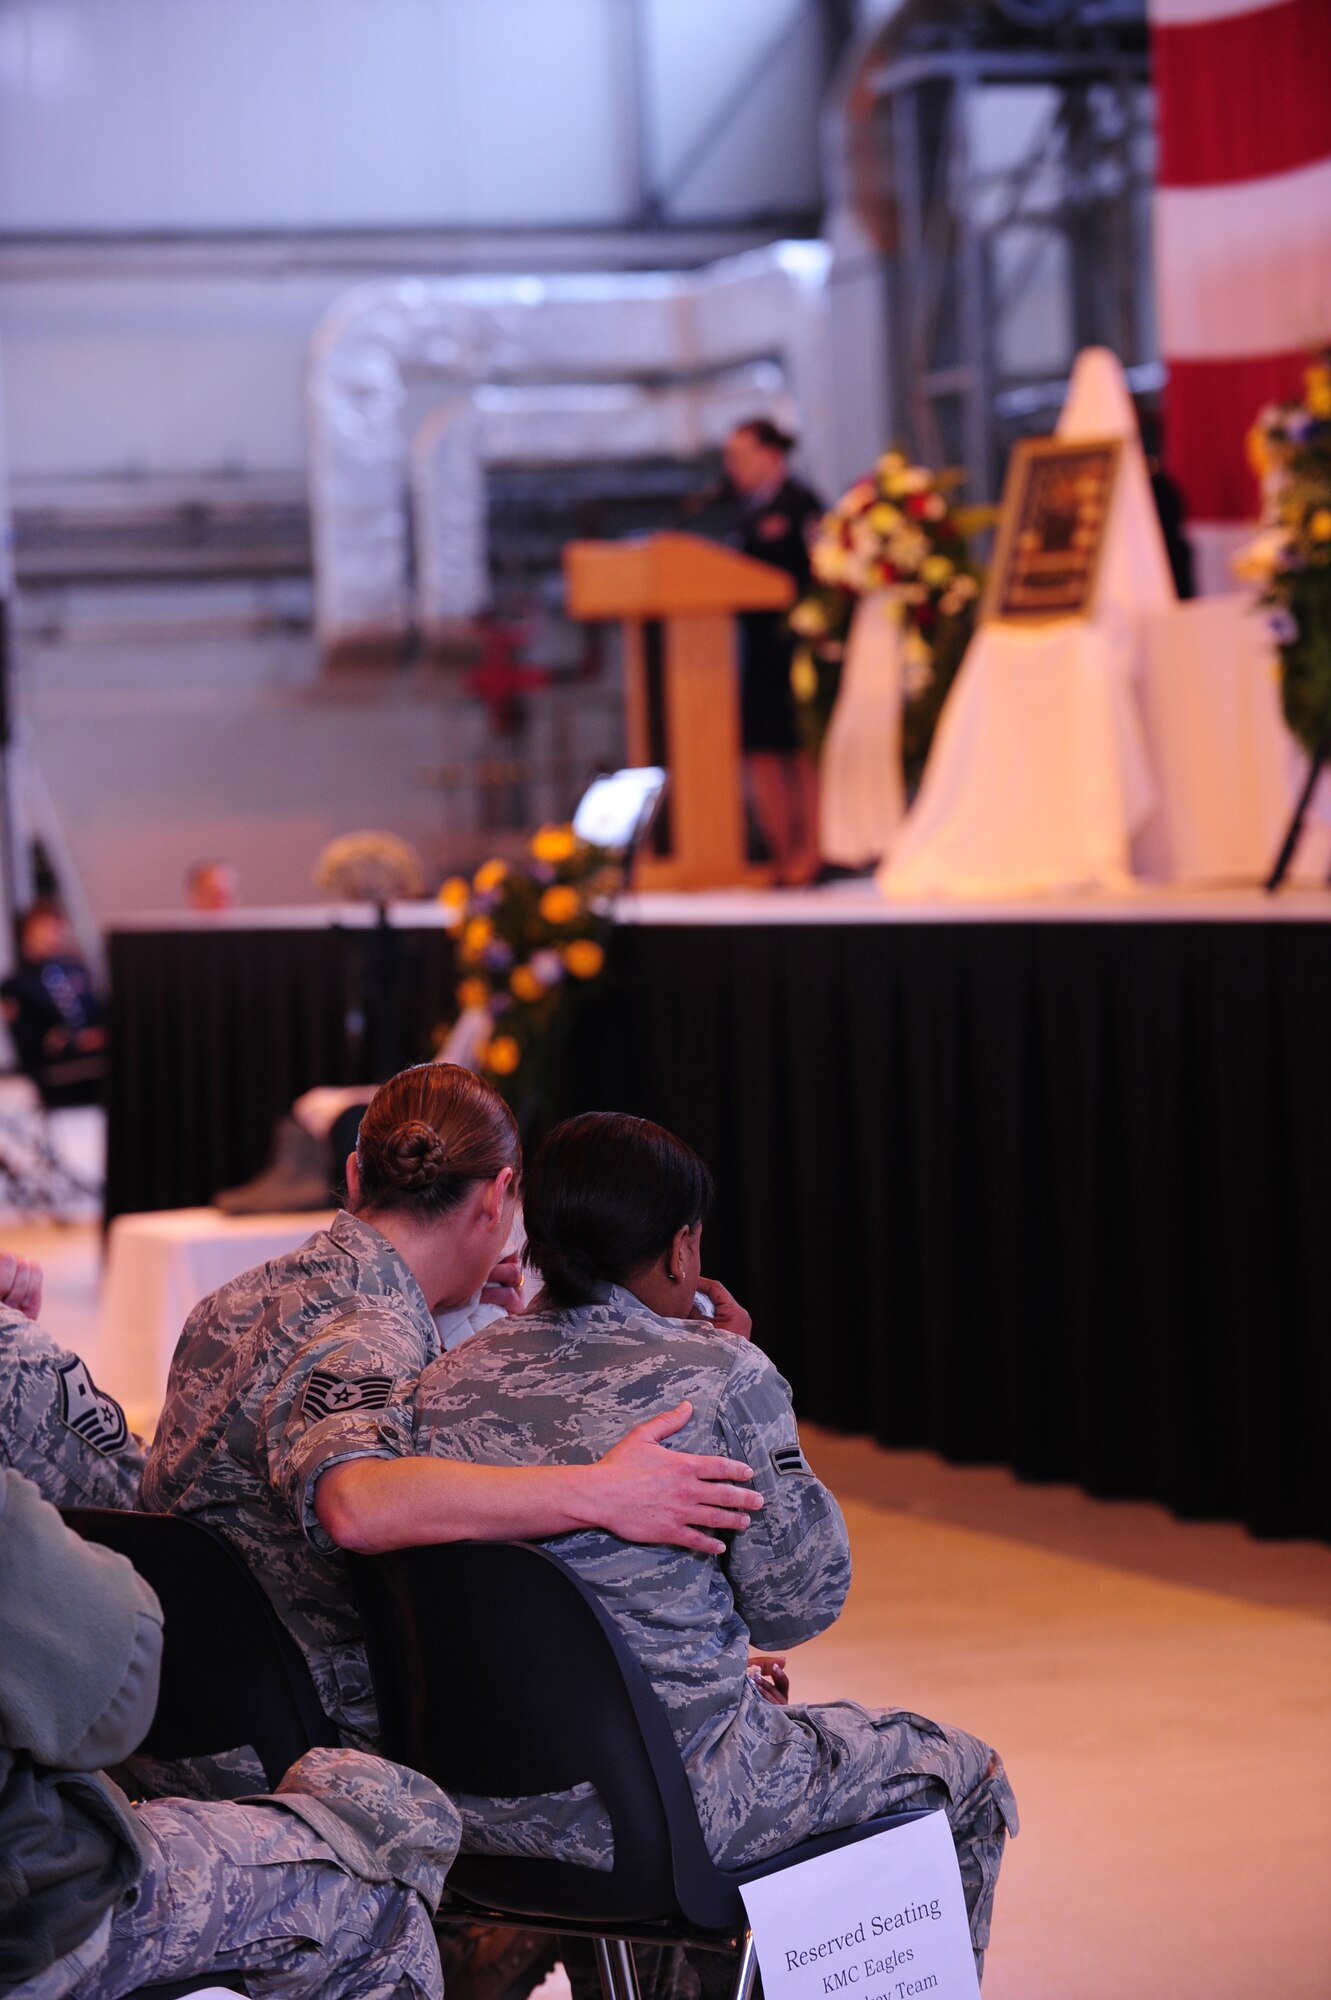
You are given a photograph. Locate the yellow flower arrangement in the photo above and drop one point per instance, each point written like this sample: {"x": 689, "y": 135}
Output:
{"x": 554, "y": 844}
{"x": 884, "y": 518}
{"x": 500, "y": 1056}
{"x": 369, "y": 868}
{"x": 809, "y": 618}
{"x": 528, "y": 947}
{"x": 560, "y": 904}
{"x": 584, "y": 958}
{"x": 1257, "y": 451}
{"x": 896, "y": 531}
{"x": 1290, "y": 557}
{"x": 803, "y": 676}
{"x": 524, "y": 984}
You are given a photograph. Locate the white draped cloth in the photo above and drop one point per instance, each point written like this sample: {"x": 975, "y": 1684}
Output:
{"x": 1226, "y": 767}
{"x": 1039, "y": 777}
{"x": 861, "y": 793}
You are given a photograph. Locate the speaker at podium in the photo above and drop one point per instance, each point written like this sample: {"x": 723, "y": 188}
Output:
{"x": 676, "y": 597}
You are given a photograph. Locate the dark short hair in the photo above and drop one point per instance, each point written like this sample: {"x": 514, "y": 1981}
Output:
{"x": 604, "y": 1196}
{"x": 768, "y": 433}
{"x": 428, "y": 1135}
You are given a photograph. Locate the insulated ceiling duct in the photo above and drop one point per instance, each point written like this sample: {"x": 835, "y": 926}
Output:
{"x": 513, "y": 367}
{"x": 554, "y": 424}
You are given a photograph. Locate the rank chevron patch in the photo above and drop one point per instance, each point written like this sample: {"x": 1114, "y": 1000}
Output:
{"x": 94, "y": 1416}
{"x": 329, "y": 1395}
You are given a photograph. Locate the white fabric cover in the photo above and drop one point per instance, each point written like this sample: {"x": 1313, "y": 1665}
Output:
{"x": 1226, "y": 766}
{"x": 158, "y": 1267}
{"x": 1026, "y": 791}
{"x": 862, "y": 798}
{"x": 1039, "y": 775}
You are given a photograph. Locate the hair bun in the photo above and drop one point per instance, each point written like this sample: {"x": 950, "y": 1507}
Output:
{"x": 414, "y": 1156}
{"x": 569, "y": 1273}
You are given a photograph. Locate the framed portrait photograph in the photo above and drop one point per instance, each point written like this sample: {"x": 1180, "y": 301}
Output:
{"x": 1051, "y": 528}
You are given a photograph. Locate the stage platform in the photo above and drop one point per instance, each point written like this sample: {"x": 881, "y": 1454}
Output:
{"x": 860, "y": 902}
{"x": 1043, "y": 1184}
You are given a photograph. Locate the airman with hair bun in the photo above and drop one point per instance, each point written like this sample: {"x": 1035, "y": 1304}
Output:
{"x": 289, "y": 1418}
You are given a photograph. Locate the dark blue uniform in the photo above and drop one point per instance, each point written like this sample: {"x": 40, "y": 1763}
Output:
{"x": 775, "y": 530}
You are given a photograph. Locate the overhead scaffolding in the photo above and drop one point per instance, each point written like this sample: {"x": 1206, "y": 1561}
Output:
{"x": 1001, "y": 163}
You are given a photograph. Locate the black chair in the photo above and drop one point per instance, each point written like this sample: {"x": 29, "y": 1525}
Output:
{"x": 499, "y": 1673}
{"x": 231, "y": 1672}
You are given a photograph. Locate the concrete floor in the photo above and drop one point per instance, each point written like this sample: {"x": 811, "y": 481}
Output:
{"x": 1160, "y": 1691}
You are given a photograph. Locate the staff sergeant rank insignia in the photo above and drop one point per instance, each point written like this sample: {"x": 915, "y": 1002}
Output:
{"x": 97, "y": 1418}
{"x": 328, "y": 1395}
{"x": 789, "y": 1458}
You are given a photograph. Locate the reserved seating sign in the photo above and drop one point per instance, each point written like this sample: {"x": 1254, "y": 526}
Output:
{"x": 883, "y": 1919}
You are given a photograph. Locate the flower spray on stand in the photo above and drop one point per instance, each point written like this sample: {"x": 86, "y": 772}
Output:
{"x": 895, "y": 532}
{"x": 1290, "y": 450}
{"x": 530, "y": 946}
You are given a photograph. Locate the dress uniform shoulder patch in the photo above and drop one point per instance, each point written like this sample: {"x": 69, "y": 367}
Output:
{"x": 95, "y": 1417}
{"x": 329, "y": 1395}
{"x": 789, "y": 1458}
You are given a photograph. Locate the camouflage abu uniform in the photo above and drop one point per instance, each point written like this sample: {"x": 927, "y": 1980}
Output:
{"x": 57, "y": 1427}
{"x": 319, "y": 1889}
{"x": 301, "y": 1364}
{"x": 561, "y": 1386}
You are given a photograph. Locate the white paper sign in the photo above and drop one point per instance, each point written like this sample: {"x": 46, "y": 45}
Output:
{"x": 883, "y": 1919}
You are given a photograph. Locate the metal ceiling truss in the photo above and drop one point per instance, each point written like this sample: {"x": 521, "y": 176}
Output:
{"x": 972, "y": 241}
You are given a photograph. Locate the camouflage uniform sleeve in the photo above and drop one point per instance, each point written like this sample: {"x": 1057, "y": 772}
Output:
{"x": 58, "y": 1428}
{"x": 347, "y": 1393}
{"x": 790, "y": 1568}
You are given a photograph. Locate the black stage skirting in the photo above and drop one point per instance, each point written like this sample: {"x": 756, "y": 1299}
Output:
{"x": 1052, "y": 1194}
{"x": 215, "y": 1030}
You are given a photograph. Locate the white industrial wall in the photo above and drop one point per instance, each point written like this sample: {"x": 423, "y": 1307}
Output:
{"x": 163, "y": 744}
{"x": 186, "y": 185}
{"x": 191, "y": 115}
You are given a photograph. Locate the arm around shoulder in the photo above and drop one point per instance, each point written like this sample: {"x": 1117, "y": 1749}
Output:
{"x": 640, "y": 1491}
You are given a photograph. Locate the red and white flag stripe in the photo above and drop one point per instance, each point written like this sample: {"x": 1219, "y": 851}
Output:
{"x": 1243, "y": 224}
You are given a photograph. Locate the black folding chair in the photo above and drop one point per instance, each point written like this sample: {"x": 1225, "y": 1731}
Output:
{"x": 232, "y": 1675}
{"x": 499, "y": 1673}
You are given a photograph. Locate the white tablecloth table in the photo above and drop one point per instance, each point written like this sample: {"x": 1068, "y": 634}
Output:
{"x": 1226, "y": 767}
{"x": 861, "y": 795}
{"x": 1037, "y": 777}
{"x": 159, "y": 1266}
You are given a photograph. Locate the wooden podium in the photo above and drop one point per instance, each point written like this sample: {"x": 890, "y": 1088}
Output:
{"x": 677, "y": 596}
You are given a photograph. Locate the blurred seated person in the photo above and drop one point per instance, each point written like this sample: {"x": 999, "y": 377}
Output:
{"x": 614, "y": 1213}
{"x": 56, "y": 1426}
{"x": 55, "y": 1016}
{"x": 321, "y": 1890}
{"x": 212, "y": 885}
